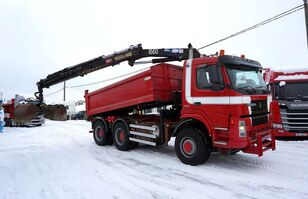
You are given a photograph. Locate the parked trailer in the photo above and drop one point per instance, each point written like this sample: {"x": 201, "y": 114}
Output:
{"x": 211, "y": 103}
{"x": 289, "y": 107}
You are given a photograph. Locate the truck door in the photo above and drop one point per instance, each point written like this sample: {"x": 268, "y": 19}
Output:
{"x": 210, "y": 94}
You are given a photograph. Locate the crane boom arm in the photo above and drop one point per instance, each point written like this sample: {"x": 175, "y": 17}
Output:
{"x": 131, "y": 54}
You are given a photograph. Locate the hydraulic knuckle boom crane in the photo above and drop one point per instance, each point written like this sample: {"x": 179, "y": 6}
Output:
{"x": 130, "y": 54}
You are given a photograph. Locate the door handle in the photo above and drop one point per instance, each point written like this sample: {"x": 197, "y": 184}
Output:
{"x": 197, "y": 103}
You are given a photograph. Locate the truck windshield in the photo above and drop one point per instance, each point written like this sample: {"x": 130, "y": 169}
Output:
{"x": 291, "y": 91}
{"x": 246, "y": 79}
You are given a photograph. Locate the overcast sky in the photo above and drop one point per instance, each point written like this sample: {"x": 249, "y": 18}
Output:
{"x": 39, "y": 37}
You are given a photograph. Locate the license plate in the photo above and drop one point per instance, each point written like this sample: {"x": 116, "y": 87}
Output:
{"x": 301, "y": 134}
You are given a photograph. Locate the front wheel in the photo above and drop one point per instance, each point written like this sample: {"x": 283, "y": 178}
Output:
{"x": 191, "y": 147}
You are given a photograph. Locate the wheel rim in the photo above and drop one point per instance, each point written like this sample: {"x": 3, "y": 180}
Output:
{"x": 120, "y": 136}
{"x": 188, "y": 147}
{"x": 99, "y": 133}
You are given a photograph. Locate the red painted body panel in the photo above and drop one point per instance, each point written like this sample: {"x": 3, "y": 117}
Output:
{"x": 9, "y": 109}
{"x": 158, "y": 84}
{"x": 218, "y": 113}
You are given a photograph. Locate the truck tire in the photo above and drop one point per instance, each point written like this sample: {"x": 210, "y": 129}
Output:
{"x": 191, "y": 147}
{"x": 100, "y": 135}
{"x": 133, "y": 145}
{"x": 8, "y": 122}
{"x": 233, "y": 152}
{"x": 121, "y": 137}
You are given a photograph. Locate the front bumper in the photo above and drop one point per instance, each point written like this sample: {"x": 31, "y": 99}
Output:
{"x": 263, "y": 142}
{"x": 285, "y": 133}
{"x": 38, "y": 121}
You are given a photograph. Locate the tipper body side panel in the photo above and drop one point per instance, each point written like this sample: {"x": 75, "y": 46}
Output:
{"x": 157, "y": 85}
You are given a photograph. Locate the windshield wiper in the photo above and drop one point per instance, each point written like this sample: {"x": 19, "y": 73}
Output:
{"x": 265, "y": 88}
{"x": 262, "y": 87}
{"x": 248, "y": 86}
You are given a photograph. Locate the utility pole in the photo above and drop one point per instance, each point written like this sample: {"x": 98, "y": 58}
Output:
{"x": 1, "y": 98}
{"x": 64, "y": 91}
{"x": 306, "y": 19}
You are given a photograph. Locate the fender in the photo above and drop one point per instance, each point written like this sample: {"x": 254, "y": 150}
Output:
{"x": 120, "y": 120}
{"x": 180, "y": 125}
{"x": 102, "y": 120}
{"x": 194, "y": 117}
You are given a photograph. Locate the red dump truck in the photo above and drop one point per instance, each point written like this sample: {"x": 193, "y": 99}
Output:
{"x": 289, "y": 107}
{"x": 211, "y": 103}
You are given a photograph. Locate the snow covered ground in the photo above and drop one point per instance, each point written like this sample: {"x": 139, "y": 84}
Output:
{"x": 61, "y": 160}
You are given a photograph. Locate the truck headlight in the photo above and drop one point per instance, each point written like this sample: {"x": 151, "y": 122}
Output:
{"x": 242, "y": 128}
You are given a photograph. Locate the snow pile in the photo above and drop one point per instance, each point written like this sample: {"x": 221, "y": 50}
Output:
{"x": 61, "y": 160}
{"x": 289, "y": 69}
{"x": 292, "y": 77}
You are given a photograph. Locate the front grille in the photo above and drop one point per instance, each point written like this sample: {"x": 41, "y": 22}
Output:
{"x": 294, "y": 120}
{"x": 259, "y": 108}
{"x": 257, "y": 120}
{"x": 259, "y": 112}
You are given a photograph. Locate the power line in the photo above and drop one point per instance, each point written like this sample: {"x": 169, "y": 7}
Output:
{"x": 93, "y": 83}
{"x": 283, "y": 14}
{"x": 106, "y": 80}
{"x": 54, "y": 92}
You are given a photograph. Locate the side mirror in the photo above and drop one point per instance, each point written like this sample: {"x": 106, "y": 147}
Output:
{"x": 215, "y": 79}
{"x": 215, "y": 76}
{"x": 282, "y": 83}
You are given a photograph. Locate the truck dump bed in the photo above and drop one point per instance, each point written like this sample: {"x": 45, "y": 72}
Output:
{"x": 158, "y": 85}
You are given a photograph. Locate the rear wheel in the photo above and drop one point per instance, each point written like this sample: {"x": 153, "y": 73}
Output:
{"x": 101, "y": 136}
{"x": 120, "y": 136}
{"x": 191, "y": 147}
{"x": 133, "y": 145}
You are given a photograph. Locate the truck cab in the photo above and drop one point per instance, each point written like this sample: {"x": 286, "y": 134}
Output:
{"x": 290, "y": 103}
{"x": 228, "y": 95}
